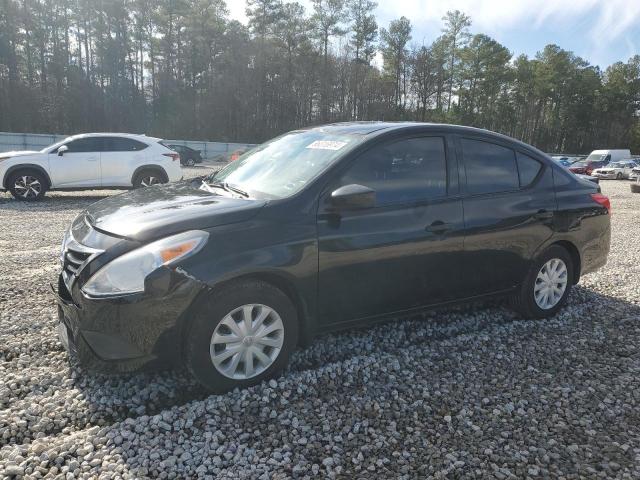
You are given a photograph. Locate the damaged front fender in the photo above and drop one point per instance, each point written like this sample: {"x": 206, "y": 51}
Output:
{"x": 127, "y": 333}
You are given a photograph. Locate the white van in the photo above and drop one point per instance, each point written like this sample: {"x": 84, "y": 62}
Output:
{"x": 608, "y": 156}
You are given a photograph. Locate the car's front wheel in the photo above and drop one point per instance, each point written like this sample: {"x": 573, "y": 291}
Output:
{"x": 190, "y": 162}
{"x": 619, "y": 176}
{"x": 547, "y": 285}
{"x": 240, "y": 335}
{"x": 27, "y": 185}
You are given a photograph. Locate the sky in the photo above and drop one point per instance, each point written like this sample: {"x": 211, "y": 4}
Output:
{"x": 600, "y": 31}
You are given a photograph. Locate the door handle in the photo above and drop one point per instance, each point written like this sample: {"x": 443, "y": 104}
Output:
{"x": 543, "y": 215}
{"x": 438, "y": 227}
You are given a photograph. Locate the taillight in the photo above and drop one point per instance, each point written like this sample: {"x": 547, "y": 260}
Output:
{"x": 174, "y": 156}
{"x": 602, "y": 200}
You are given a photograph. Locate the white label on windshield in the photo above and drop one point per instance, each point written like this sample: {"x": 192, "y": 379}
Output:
{"x": 326, "y": 145}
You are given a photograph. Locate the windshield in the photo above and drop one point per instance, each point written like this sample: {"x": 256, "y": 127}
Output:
{"x": 284, "y": 165}
{"x": 596, "y": 157}
{"x": 580, "y": 164}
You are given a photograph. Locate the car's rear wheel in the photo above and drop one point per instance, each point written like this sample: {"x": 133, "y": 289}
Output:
{"x": 240, "y": 335}
{"x": 547, "y": 284}
{"x": 619, "y": 176}
{"x": 27, "y": 185}
{"x": 147, "y": 178}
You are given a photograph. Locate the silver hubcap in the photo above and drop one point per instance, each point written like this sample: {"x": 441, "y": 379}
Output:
{"x": 247, "y": 341}
{"x": 150, "y": 180}
{"x": 27, "y": 186}
{"x": 551, "y": 283}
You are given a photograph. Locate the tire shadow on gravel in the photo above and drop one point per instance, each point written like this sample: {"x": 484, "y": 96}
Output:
{"x": 148, "y": 393}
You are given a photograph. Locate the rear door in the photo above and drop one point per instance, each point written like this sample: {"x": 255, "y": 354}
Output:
{"x": 405, "y": 251}
{"x": 509, "y": 206}
{"x": 79, "y": 166}
{"x": 120, "y": 159}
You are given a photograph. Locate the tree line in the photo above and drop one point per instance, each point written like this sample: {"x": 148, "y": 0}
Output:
{"x": 184, "y": 69}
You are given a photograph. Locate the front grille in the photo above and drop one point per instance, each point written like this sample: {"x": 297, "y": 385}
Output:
{"x": 74, "y": 258}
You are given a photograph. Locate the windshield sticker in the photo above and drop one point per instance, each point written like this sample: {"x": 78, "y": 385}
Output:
{"x": 326, "y": 145}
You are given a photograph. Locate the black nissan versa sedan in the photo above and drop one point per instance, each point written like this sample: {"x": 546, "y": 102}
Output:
{"x": 321, "y": 229}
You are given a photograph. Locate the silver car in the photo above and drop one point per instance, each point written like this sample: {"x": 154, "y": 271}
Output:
{"x": 615, "y": 170}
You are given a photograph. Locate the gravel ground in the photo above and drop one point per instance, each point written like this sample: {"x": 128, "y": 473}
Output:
{"x": 472, "y": 392}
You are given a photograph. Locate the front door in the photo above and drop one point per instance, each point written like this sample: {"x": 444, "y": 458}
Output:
{"x": 508, "y": 213}
{"x": 402, "y": 253}
{"x": 79, "y": 166}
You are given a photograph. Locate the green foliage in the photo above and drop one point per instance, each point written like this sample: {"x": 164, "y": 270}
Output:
{"x": 183, "y": 69}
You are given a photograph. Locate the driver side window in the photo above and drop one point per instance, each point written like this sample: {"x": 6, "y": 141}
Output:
{"x": 82, "y": 145}
{"x": 403, "y": 171}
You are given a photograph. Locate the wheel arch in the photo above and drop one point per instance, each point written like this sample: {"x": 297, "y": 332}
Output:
{"x": 575, "y": 257}
{"x": 283, "y": 284}
{"x": 25, "y": 166}
{"x": 153, "y": 167}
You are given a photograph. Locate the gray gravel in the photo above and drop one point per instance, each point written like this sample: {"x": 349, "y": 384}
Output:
{"x": 472, "y": 392}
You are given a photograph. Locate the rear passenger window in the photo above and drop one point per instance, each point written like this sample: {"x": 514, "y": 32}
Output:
{"x": 528, "y": 169}
{"x": 489, "y": 168}
{"x": 118, "y": 144}
{"x": 403, "y": 171}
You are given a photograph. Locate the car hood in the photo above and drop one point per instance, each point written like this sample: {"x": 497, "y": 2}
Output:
{"x": 17, "y": 153}
{"x": 153, "y": 212}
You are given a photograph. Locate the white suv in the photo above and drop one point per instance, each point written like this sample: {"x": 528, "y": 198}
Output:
{"x": 92, "y": 160}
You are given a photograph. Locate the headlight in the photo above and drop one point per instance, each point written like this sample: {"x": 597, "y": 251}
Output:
{"x": 126, "y": 274}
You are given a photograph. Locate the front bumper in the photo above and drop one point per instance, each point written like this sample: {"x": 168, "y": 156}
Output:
{"x": 604, "y": 176}
{"x": 127, "y": 333}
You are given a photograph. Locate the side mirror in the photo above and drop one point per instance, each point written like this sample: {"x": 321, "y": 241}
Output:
{"x": 352, "y": 197}
{"x": 62, "y": 149}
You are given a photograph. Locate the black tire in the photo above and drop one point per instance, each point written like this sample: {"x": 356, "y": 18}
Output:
{"x": 619, "y": 176}
{"x": 209, "y": 313}
{"x": 190, "y": 162}
{"x": 27, "y": 185}
{"x": 524, "y": 301}
{"x": 635, "y": 187}
{"x": 142, "y": 178}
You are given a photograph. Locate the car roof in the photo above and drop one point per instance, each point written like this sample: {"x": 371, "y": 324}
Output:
{"x": 377, "y": 128}
{"x": 365, "y": 128}
{"x": 135, "y": 136}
